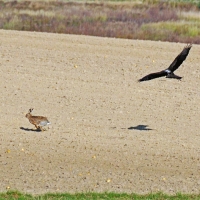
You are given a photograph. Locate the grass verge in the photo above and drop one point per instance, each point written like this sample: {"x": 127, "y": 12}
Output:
{"x": 107, "y": 195}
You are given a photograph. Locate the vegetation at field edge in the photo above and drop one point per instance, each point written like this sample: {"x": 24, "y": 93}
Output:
{"x": 172, "y": 21}
{"x": 107, "y": 195}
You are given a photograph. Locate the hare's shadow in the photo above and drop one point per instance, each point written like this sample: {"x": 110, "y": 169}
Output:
{"x": 140, "y": 128}
{"x": 30, "y": 129}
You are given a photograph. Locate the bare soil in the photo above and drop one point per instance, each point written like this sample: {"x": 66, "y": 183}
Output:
{"x": 108, "y": 132}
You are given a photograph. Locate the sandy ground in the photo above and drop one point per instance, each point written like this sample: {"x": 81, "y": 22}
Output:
{"x": 108, "y": 132}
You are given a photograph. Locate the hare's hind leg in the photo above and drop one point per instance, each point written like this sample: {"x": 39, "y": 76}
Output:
{"x": 42, "y": 129}
{"x": 37, "y": 127}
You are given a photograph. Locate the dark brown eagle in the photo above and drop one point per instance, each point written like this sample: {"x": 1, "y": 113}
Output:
{"x": 169, "y": 72}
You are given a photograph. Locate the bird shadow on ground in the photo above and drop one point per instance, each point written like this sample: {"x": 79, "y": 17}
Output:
{"x": 30, "y": 129}
{"x": 140, "y": 128}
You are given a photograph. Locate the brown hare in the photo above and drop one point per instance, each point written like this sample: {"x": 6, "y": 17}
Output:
{"x": 38, "y": 121}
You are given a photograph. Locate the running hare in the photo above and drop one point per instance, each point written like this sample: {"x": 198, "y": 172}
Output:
{"x": 38, "y": 121}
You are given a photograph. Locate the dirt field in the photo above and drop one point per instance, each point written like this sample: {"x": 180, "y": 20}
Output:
{"x": 108, "y": 132}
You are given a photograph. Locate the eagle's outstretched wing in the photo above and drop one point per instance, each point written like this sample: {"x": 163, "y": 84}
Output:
{"x": 180, "y": 58}
{"x": 174, "y": 66}
{"x": 153, "y": 75}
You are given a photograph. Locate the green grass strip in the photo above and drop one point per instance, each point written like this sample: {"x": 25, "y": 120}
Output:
{"x": 13, "y": 195}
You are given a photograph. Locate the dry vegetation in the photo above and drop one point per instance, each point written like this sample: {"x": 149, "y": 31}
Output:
{"x": 150, "y": 20}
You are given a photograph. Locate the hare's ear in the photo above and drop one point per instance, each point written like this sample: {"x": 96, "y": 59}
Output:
{"x": 30, "y": 110}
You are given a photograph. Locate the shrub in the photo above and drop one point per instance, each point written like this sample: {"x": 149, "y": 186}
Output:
{"x": 152, "y": 21}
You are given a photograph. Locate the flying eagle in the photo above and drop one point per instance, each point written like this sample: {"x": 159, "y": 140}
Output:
{"x": 169, "y": 72}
